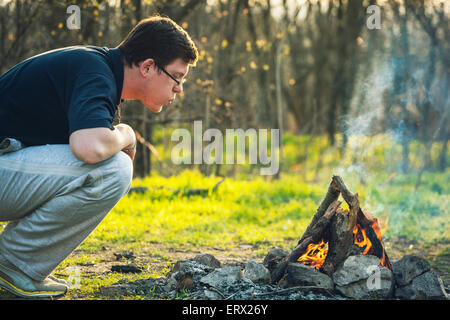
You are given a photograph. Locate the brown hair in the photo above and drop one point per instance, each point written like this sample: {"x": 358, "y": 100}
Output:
{"x": 159, "y": 38}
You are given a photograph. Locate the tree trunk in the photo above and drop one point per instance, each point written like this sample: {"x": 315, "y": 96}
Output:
{"x": 443, "y": 155}
{"x": 280, "y": 113}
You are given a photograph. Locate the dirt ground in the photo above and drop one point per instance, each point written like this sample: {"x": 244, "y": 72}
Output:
{"x": 156, "y": 257}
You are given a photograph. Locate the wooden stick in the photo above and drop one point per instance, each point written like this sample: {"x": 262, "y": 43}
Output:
{"x": 277, "y": 291}
{"x": 346, "y": 194}
{"x": 316, "y": 232}
{"x": 331, "y": 196}
{"x": 211, "y": 288}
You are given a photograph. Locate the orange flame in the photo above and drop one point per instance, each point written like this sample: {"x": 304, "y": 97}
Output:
{"x": 369, "y": 248}
{"x": 316, "y": 253}
{"x": 361, "y": 239}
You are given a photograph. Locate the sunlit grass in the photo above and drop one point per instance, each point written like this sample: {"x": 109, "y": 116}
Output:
{"x": 239, "y": 212}
{"x": 255, "y": 211}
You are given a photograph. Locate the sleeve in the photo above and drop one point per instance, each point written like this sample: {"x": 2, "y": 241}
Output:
{"x": 92, "y": 102}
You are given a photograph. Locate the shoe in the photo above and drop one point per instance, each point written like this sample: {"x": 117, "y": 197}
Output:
{"x": 68, "y": 284}
{"x": 16, "y": 282}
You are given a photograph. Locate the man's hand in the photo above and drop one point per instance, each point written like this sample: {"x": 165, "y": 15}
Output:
{"x": 130, "y": 151}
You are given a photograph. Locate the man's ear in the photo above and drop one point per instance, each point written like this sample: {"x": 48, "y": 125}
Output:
{"x": 146, "y": 66}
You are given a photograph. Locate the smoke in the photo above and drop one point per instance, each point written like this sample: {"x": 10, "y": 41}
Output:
{"x": 368, "y": 102}
{"x": 366, "y": 119}
{"x": 376, "y": 128}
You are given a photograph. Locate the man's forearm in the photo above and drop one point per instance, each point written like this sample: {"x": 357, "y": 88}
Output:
{"x": 98, "y": 144}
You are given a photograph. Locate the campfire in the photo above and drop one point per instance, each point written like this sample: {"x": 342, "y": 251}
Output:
{"x": 334, "y": 234}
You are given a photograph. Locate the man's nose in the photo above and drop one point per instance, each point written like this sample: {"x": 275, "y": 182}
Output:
{"x": 178, "y": 88}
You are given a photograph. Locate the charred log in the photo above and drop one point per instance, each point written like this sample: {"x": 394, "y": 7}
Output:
{"x": 331, "y": 196}
{"x": 340, "y": 240}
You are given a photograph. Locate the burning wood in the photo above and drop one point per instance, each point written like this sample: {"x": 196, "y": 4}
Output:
{"x": 335, "y": 233}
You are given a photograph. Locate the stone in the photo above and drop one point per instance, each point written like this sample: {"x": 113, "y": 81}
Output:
{"x": 207, "y": 260}
{"x": 256, "y": 272}
{"x": 415, "y": 280}
{"x": 191, "y": 267}
{"x": 362, "y": 277}
{"x": 183, "y": 266}
{"x": 408, "y": 268}
{"x": 223, "y": 277}
{"x": 200, "y": 264}
{"x": 272, "y": 260}
{"x": 301, "y": 275}
{"x": 370, "y": 289}
{"x": 275, "y": 254}
{"x": 355, "y": 268}
{"x": 427, "y": 286}
{"x": 170, "y": 284}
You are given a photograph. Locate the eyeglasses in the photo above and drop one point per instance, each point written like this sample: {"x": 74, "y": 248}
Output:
{"x": 179, "y": 82}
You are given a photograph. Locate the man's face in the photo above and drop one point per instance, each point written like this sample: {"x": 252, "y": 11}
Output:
{"x": 157, "y": 88}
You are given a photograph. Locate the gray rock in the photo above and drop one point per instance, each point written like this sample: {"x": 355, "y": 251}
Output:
{"x": 181, "y": 265}
{"x": 170, "y": 284}
{"x": 370, "y": 289}
{"x": 415, "y": 280}
{"x": 362, "y": 277}
{"x": 207, "y": 260}
{"x": 191, "y": 267}
{"x": 355, "y": 268}
{"x": 275, "y": 254}
{"x": 256, "y": 272}
{"x": 223, "y": 277}
{"x": 408, "y": 268}
{"x": 427, "y": 286}
{"x": 300, "y": 275}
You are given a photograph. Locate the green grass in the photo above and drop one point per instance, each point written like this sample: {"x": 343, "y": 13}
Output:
{"x": 239, "y": 212}
{"x": 255, "y": 211}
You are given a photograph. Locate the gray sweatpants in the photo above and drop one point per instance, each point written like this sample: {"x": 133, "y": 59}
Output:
{"x": 53, "y": 202}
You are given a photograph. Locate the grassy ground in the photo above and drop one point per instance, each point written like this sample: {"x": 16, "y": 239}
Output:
{"x": 248, "y": 215}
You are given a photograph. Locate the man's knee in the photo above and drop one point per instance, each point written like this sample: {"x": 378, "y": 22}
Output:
{"x": 118, "y": 173}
